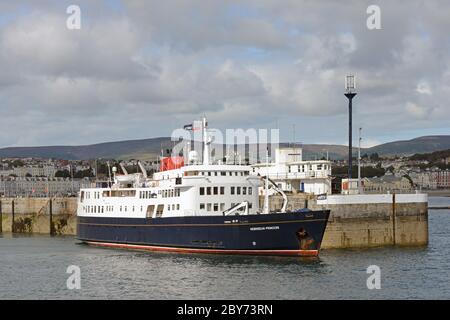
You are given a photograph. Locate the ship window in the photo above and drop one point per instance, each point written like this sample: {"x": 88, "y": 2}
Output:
{"x": 238, "y": 190}
{"x": 223, "y": 173}
{"x": 250, "y": 190}
{"x": 216, "y": 207}
{"x": 173, "y": 207}
{"x": 123, "y": 193}
{"x": 236, "y": 173}
{"x": 208, "y": 206}
{"x": 171, "y": 193}
{"x": 232, "y": 190}
{"x": 202, "y": 206}
{"x": 249, "y": 205}
{"x": 230, "y": 173}
{"x": 168, "y": 207}
{"x": 159, "y": 210}
{"x": 132, "y": 209}
{"x": 202, "y": 191}
{"x": 216, "y": 173}
{"x": 208, "y": 190}
{"x": 150, "y": 210}
{"x": 222, "y": 190}
{"x": 216, "y": 190}
{"x": 222, "y": 206}
{"x": 244, "y": 190}
{"x": 209, "y": 173}
{"x": 178, "y": 206}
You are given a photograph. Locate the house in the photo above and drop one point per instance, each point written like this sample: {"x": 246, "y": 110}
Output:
{"x": 292, "y": 174}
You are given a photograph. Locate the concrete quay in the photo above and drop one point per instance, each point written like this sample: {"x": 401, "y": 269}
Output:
{"x": 356, "y": 221}
{"x": 363, "y": 221}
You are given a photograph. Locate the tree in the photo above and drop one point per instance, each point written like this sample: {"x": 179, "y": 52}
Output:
{"x": 62, "y": 174}
{"x": 374, "y": 156}
{"x": 17, "y": 163}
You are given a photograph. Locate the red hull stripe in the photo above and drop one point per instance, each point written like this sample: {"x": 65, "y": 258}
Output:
{"x": 308, "y": 253}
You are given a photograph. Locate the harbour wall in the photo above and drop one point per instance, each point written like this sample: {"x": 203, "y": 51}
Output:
{"x": 55, "y": 216}
{"x": 356, "y": 221}
{"x": 362, "y": 221}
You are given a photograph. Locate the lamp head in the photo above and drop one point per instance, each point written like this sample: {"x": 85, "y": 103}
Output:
{"x": 350, "y": 83}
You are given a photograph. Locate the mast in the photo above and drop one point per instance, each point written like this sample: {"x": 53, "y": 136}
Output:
{"x": 266, "y": 196}
{"x": 205, "y": 142}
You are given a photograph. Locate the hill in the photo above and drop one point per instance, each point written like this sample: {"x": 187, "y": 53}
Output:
{"x": 146, "y": 149}
{"x": 426, "y": 144}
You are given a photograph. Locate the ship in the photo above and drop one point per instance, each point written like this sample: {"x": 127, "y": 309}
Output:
{"x": 200, "y": 206}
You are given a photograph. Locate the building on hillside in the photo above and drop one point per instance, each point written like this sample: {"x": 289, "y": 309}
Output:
{"x": 442, "y": 178}
{"x": 34, "y": 171}
{"x": 292, "y": 174}
{"x": 423, "y": 180}
{"x": 41, "y": 187}
{"x": 350, "y": 186}
{"x": 387, "y": 183}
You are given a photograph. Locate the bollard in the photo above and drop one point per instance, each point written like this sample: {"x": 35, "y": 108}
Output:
{"x": 50, "y": 209}
{"x": 393, "y": 218}
{"x": 12, "y": 220}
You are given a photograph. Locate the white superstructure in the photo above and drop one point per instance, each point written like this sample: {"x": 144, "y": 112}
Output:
{"x": 292, "y": 174}
{"x": 191, "y": 190}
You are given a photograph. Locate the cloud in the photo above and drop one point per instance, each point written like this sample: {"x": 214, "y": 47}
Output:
{"x": 139, "y": 69}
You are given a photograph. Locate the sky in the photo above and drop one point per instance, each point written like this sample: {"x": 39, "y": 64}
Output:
{"x": 140, "y": 69}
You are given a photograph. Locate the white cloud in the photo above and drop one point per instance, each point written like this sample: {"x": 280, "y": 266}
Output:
{"x": 155, "y": 65}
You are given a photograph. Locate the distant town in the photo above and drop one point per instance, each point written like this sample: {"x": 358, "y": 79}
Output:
{"x": 37, "y": 177}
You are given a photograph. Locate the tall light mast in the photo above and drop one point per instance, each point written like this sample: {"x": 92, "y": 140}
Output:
{"x": 350, "y": 87}
{"x": 360, "y": 189}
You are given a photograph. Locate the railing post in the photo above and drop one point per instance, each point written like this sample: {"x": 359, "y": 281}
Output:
{"x": 50, "y": 211}
{"x": 1, "y": 217}
{"x": 12, "y": 220}
{"x": 394, "y": 216}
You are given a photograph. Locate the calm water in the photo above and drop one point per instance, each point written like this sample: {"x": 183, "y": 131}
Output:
{"x": 35, "y": 268}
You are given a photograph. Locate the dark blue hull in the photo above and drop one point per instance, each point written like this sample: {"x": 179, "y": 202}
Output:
{"x": 292, "y": 233}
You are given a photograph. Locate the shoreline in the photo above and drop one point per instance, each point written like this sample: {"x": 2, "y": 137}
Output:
{"x": 438, "y": 193}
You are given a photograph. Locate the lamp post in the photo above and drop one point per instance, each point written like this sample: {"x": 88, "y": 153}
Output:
{"x": 359, "y": 163}
{"x": 350, "y": 87}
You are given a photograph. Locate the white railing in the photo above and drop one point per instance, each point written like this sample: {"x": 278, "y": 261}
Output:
{"x": 300, "y": 175}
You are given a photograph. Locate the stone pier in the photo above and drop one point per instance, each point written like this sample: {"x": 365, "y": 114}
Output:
{"x": 356, "y": 221}
{"x": 362, "y": 221}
